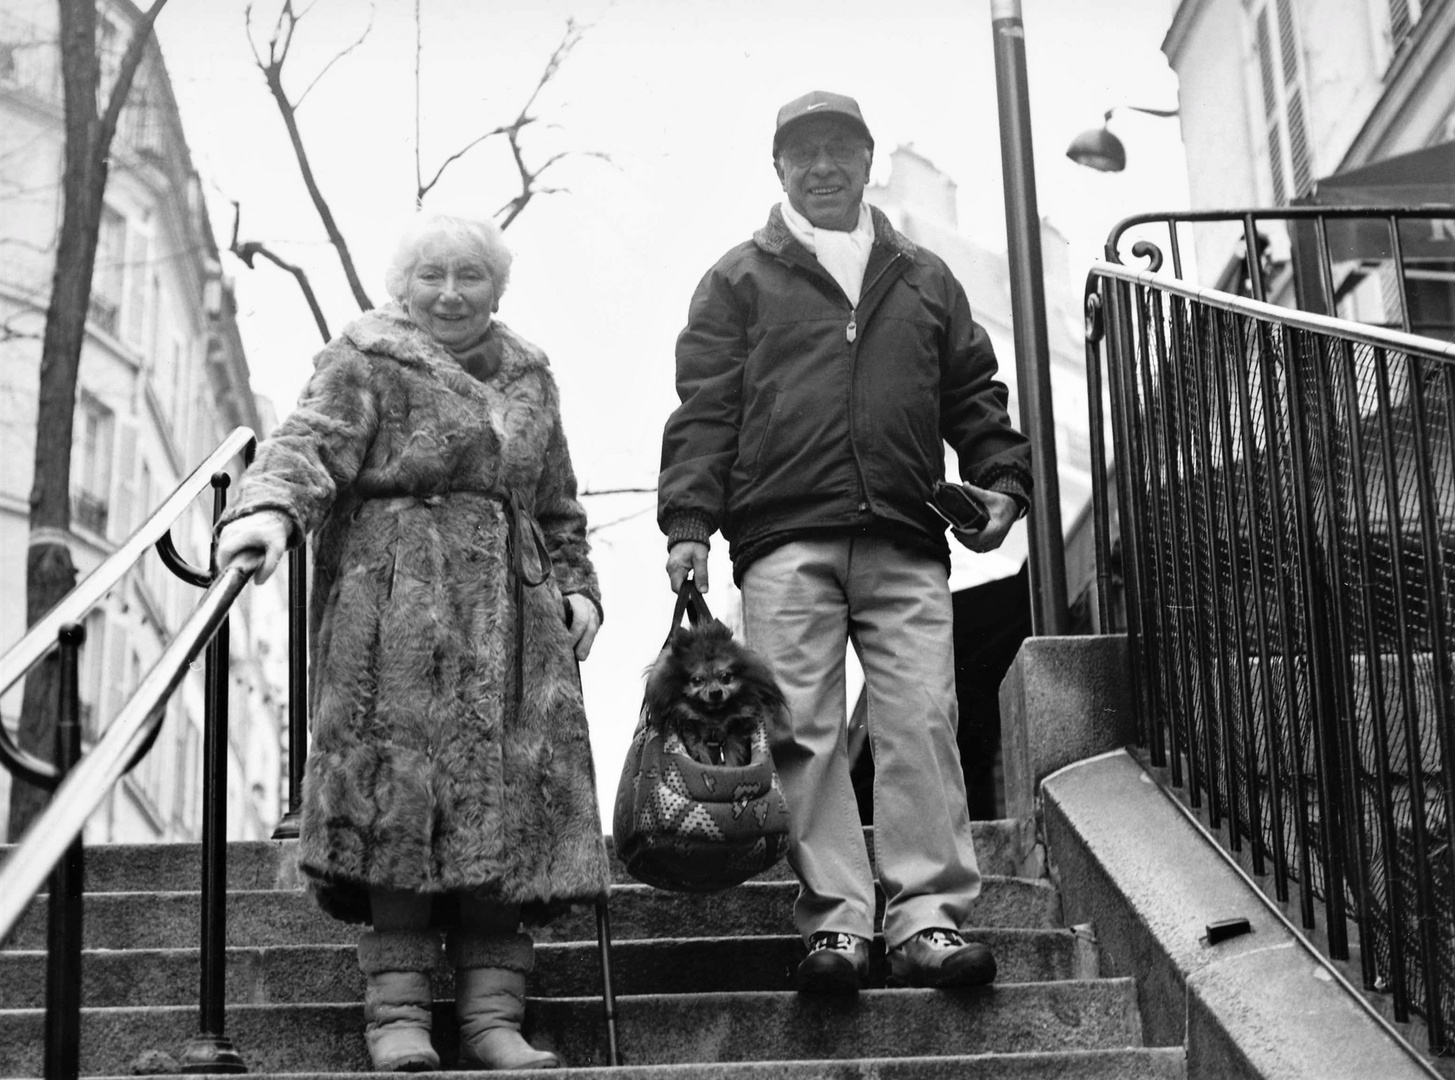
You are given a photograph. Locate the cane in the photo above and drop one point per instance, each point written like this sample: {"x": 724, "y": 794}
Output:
{"x": 603, "y": 932}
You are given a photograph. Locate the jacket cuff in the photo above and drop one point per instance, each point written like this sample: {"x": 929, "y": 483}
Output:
{"x": 242, "y": 510}
{"x": 1009, "y": 485}
{"x": 687, "y": 525}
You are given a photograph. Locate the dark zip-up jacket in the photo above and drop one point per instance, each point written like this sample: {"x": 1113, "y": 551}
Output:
{"x": 804, "y": 415}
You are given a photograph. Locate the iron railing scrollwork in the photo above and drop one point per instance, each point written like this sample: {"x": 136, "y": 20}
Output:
{"x": 1284, "y": 494}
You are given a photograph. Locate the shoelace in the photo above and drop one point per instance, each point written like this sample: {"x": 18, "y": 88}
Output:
{"x": 942, "y": 939}
{"x": 833, "y": 940}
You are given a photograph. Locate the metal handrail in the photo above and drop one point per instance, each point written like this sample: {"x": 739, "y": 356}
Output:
{"x": 90, "y": 782}
{"x": 41, "y": 638}
{"x": 1363, "y": 333}
{"x": 1246, "y": 520}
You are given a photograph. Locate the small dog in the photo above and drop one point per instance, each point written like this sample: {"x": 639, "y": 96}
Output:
{"x": 711, "y": 691}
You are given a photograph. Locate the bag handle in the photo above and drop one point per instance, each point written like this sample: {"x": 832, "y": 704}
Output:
{"x": 690, "y": 603}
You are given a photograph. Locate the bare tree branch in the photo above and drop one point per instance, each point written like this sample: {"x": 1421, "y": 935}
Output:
{"x": 418, "y": 47}
{"x": 247, "y": 250}
{"x": 529, "y": 177}
{"x": 424, "y": 189}
{"x": 8, "y": 332}
{"x": 591, "y": 530}
{"x": 298, "y": 104}
{"x": 272, "y": 69}
{"x": 131, "y": 60}
{"x": 29, "y": 245}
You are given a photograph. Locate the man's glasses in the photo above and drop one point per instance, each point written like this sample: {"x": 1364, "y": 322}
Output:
{"x": 800, "y": 154}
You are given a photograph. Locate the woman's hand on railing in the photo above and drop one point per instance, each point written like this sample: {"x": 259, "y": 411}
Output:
{"x": 264, "y": 534}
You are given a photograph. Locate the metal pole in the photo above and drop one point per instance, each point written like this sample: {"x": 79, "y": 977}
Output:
{"x": 210, "y": 1050}
{"x": 1049, "y": 613}
{"x": 63, "y": 948}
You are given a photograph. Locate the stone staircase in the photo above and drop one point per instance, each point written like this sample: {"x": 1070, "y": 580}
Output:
{"x": 703, "y": 983}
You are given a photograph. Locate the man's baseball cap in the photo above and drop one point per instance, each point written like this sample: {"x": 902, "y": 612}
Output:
{"x": 820, "y": 103}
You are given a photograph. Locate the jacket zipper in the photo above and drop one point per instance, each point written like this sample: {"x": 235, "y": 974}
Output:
{"x": 851, "y": 333}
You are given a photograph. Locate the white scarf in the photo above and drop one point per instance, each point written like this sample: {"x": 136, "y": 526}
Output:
{"x": 843, "y": 254}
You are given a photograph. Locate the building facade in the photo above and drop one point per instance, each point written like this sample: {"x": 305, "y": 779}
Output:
{"x": 163, "y": 378}
{"x": 1325, "y": 102}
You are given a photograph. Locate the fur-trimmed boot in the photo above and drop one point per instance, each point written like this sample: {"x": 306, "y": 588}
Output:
{"x": 490, "y": 971}
{"x": 397, "y": 965}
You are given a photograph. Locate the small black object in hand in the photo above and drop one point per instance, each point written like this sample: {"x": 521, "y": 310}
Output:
{"x": 959, "y": 507}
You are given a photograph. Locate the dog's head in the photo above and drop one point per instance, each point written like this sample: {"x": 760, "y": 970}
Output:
{"x": 710, "y": 666}
{"x": 702, "y": 665}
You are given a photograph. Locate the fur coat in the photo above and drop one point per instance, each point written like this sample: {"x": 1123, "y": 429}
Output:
{"x": 429, "y": 769}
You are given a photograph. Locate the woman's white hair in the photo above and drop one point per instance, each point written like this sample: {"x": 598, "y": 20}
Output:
{"x": 482, "y": 235}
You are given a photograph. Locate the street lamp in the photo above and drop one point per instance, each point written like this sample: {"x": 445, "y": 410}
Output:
{"x": 1099, "y": 149}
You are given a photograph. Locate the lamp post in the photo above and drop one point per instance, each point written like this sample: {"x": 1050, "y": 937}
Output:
{"x": 1046, "y": 564}
{"x": 1099, "y": 149}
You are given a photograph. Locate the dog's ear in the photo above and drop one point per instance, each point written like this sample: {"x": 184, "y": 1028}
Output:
{"x": 662, "y": 678}
{"x": 679, "y": 640}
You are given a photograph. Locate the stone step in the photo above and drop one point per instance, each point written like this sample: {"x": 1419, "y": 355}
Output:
{"x": 150, "y": 920}
{"x": 653, "y": 1029}
{"x": 330, "y": 973}
{"x": 1143, "y": 1063}
{"x": 1003, "y": 848}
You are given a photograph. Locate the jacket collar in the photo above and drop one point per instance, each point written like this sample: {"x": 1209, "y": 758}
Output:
{"x": 775, "y": 239}
{"x": 389, "y": 331}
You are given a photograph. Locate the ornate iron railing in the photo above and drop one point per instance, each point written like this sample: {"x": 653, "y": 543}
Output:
{"x": 51, "y": 852}
{"x": 51, "y": 848}
{"x": 1284, "y": 488}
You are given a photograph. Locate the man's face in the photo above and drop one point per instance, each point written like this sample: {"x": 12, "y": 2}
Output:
{"x": 823, "y": 166}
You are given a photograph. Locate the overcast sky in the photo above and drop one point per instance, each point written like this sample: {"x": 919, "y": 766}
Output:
{"x": 680, "y": 96}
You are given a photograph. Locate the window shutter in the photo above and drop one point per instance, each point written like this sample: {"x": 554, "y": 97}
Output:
{"x": 114, "y": 676}
{"x": 124, "y": 505}
{"x": 1271, "y": 112}
{"x": 1299, "y": 152}
{"x": 1400, "y": 21}
{"x": 1298, "y": 144}
{"x": 134, "y": 314}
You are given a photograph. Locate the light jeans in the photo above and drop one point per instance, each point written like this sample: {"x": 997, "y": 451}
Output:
{"x": 803, "y": 603}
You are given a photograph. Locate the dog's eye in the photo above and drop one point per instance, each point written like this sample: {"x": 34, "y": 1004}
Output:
{"x": 698, "y": 680}
{"x": 724, "y": 676}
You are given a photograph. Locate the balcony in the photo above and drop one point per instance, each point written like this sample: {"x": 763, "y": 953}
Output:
{"x": 104, "y": 314}
{"x": 90, "y": 512}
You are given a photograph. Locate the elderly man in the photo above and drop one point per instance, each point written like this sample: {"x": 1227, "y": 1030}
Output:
{"x": 824, "y": 364}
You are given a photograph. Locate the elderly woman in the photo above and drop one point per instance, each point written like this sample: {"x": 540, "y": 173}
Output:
{"x": 450, "y": 781}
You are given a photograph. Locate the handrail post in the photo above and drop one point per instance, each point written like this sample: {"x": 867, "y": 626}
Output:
{"x": 297, "y": 689}
{"x": 63, "y": 946}
{"x": 1050, "y": 614}
{"x": 210, "y": 1050}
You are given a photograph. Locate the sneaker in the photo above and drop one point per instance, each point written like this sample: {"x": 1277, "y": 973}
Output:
{"x": 836, "y": 964}
{"x": 940, "y": 958}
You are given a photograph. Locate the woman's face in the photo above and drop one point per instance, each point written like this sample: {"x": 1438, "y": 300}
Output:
{"x": 450, "y": 294}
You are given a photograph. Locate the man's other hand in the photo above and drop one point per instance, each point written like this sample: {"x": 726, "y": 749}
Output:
{"x": 690, "y": 556}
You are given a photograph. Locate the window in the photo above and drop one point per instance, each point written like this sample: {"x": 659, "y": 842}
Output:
{"x": 1403, "y": 14}
{"x": 91, "y": 466}
{"x": 89, "y": 677}
{"x": 106, "y": 282}
{"x": 1280, "y": 84}
{"x": 136, "y": 307}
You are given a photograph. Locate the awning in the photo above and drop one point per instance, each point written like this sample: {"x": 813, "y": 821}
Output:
{"x": 1423, "y": 178}
{"x": 1418, "y": 178}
